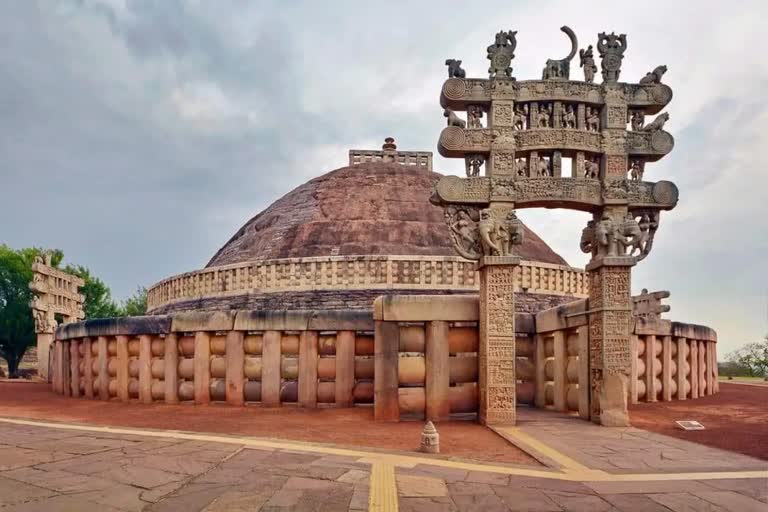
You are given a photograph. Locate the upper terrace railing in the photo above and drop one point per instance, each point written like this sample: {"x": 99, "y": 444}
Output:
{"x": 356, "y": 273}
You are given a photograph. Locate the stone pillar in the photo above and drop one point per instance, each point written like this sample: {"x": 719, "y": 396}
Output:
{"x": 610, "y": 320}
{"x": 66, "y": 387}
{"x": 270, "y": 369}
{"x": 694, "y": 375}
{"x": 438, "y": 371}
{"x": 681, "y": 362}
{"x": 44, "y": 343}
{"x": 88, "y": 367}
{"x": 202, "y": 366}
{"x": 103, "y": 362}
{"x": 577, "y": 165}
{"x": 171, "y": 368}
{"x": 235, "y": 374}
{"x": 345, "y": 368}
{"x": 650, "y": 373}
{"x": 584, "y": 372}
{"x": 145, "y": 369}
{"x": 497, "y": 383}
{"x": 74, "y": 361}
{"x": 633, "y": 342}
{"x": 122, "y": 368}
{"x": 540, "y": 359}
{"x": 386, "y": 348}
{"x": 308, "y": 369}
{"x": 666, "y": 368}
{"x": 561, "y": 375}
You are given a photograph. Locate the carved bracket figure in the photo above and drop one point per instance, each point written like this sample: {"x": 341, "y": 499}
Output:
{"x": 453, "y": 119}
{"x": 611, "y": 48}
{"x": 454, "y": 68}
{"x": 501, "y": 54}
{"x": 476, "y": 233}
{"x": 609, "y": 236}
{"x": 561, "y": 69}
{"x": 654, "y": 77}
{"x": 657, "y": 124}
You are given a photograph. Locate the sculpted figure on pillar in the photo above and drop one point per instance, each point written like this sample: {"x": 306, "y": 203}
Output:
{"x": 637, "y": 120}
{"x": 611, "y": 48}
{"x": 473, "y": 164}
{"x": 521, "y": 167}
{"x": 636, "y": 170}
{"x": 568, "y": 116}
{"x": 591, "y": 168}
{"x": 475, "y": 116}
{"x": 501, "y": 53}
{"x": 587, "y": 61}
{"x": 520, "y": 117}
{"x": 593, "y": 120}
{"x": 544, "y": 116}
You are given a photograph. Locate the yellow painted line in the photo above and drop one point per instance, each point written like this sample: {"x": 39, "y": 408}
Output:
{"x": 525, "y": 439}
{"x": 570, "y": 474}
{"x": 382, "y": 496}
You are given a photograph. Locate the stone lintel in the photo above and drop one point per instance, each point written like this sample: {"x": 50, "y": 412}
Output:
{"x": 129, "y": 326}
{"x": 192, "y": 321}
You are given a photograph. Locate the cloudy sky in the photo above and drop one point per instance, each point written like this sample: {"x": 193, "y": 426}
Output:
{"x": 138, "y": 136}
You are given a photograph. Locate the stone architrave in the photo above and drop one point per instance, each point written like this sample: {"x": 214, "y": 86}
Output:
{"x": 497, "y": 381}
{"x": 56, "y": 293}
{"x": 625, "y": 209}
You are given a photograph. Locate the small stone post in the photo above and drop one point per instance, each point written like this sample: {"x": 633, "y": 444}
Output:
{"x": 430, "y": 439}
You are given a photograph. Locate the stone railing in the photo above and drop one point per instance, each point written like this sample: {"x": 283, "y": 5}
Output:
{"x": 426, "y": 358}
{"x": 305, "y": 357}
{"x": 422, "y": 350}
{"x": 355, "y": 273}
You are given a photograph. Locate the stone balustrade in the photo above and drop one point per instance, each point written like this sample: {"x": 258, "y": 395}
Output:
{"x": 424, "y": 345}
{"x": 422, "y": 350}
{"x": 349, "y": 273}
{"x": 307, "y": 357}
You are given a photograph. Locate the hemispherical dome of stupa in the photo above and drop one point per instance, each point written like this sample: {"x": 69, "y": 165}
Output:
{"x": 375, "y": 208}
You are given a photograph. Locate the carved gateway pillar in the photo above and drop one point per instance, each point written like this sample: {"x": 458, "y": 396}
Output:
{"x": 533, "y": 124}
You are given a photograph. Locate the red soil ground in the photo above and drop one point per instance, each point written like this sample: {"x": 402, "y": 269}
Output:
{"x": 735, "y": 419}
{"x": 345, "y": 427}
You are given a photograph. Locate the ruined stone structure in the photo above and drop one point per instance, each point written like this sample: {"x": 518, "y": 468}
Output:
{"x": 534, "y": 126}
{"x": 56, "y": 294}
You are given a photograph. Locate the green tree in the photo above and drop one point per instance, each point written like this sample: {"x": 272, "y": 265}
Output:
{"x": 136, "y": 304}
{"x": 98, "y": 298}
{"x": 753, "y": 357}
{"x": 17, "y": 329}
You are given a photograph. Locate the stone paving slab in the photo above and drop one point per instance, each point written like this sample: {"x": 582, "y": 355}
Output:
{"x": 138, "y": 472}
{"x": 627, "y": 450}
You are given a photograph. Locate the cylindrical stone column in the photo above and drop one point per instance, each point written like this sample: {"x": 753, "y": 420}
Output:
{"x": 438, "y": 406}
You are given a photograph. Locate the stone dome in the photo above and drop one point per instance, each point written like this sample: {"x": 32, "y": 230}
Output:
{"x": 371, "y": 208}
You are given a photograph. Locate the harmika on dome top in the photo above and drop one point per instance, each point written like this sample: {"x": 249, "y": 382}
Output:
{"x": 372, "y": 208}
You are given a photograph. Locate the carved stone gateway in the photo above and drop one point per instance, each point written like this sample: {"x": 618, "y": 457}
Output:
{"x": 534, "y": 128}
{"x": 56, "y": 293}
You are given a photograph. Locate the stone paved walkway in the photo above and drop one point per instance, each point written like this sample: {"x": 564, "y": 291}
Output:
{"x": 55, "y": 467}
